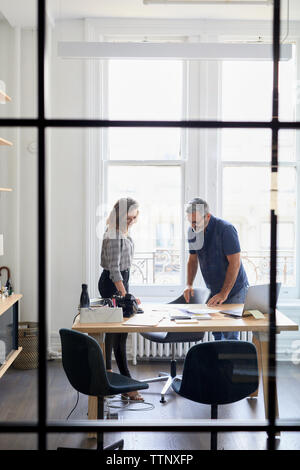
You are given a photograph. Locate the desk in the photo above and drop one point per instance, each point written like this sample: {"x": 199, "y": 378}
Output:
{"x": 218, "y": 322}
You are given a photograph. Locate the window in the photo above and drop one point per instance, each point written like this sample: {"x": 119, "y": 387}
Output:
{"x": 142, "y": 90}
{"x": 147, "y": 164}
{"x": 245, "y": 155}
{"x": 157, "y": 234}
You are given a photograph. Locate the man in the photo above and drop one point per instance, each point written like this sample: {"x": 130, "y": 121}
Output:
{"x": 215, "y": 244}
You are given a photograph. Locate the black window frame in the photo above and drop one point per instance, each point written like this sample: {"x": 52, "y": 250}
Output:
{"x": 42, "y": 427}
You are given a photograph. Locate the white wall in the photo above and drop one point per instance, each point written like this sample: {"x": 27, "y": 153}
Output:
{"x": 66, "y": 195}
{"x": 27, "y": 178}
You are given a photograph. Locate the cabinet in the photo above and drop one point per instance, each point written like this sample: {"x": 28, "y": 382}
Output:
{"x": 9, "y": 322}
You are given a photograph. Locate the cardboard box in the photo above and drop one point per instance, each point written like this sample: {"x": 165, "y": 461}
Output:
{"x": 101, "y": 315}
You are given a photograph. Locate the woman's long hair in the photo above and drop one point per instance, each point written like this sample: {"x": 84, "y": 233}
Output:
{"x": 117, "y": 219}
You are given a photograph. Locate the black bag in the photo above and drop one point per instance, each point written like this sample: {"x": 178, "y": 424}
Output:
{"x": 128, "y": 304}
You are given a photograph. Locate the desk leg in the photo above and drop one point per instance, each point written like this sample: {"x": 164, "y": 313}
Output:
{"x": 256, "y": 342}
{"x": 93, "y": 401}
{"x": 262, "y": 345}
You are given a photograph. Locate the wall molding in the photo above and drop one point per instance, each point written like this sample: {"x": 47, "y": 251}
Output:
{"x": 248, "y": 29}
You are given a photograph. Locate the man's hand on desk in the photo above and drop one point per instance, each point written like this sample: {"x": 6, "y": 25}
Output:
{"x": 187, "y": 293}
{"x": 217, "y": 299}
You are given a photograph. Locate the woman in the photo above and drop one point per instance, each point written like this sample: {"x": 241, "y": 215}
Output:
{"x": 116, "y": 258}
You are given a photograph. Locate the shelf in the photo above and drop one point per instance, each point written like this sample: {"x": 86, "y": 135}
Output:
{"x": 9, "y": 360}
{"x": 4, "y": 96}
{"x": 5, "y": 142}
{"x": 6, "y": 189}
{"x": 8, "y": 302}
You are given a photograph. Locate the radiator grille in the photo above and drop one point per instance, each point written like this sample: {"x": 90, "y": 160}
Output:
{"x": 144, "y": 349}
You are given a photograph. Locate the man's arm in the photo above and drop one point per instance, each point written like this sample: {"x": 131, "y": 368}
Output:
{"x": 192, "y": 267}
{"x": 230, "y": 278}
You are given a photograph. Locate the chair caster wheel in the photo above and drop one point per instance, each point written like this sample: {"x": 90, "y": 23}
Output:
{"x": 162, "y": 400}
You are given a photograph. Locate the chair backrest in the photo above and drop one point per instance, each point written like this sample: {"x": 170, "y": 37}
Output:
{"x": 200, "y": 297}
{"x": 83, "y": 363}
{"x": 220, "y": 372}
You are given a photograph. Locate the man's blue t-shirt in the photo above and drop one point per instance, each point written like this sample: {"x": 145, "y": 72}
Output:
{"x": 219, "y": 239}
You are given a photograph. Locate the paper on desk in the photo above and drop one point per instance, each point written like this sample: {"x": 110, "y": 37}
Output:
{"x": 199, "y": 313}
{"x": 255, "y": 313}
{"x": 140, "y": 320}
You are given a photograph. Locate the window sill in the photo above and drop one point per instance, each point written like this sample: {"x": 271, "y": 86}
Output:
{"x": 288, "y": 303}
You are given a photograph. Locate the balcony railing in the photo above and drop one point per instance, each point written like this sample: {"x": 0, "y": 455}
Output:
{"x": 257, "y": 266}
{"x": 162, "y": 266}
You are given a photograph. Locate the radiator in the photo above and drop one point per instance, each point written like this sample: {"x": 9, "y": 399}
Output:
{"x": 144, "y": 349}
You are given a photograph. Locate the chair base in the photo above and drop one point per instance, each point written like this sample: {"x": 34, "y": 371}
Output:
{"x": 162, "y": 377}
{"x": 165, "y": 389}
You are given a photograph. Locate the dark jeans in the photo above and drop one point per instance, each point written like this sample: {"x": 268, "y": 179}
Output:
{"x": 114, "y": 341}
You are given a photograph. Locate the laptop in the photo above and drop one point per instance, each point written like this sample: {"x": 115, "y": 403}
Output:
{"x": 257, "y": 298}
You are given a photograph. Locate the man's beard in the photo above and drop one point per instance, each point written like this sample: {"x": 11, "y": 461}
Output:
{"x": 198, "y": 229}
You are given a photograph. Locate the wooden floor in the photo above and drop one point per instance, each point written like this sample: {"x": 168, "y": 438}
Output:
{"x": 18, "y": 392}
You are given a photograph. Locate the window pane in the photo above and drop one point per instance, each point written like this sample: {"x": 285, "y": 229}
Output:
{"x": 145, "y": 89}
{"x": 157, "y": 234}
{"x": 287, "y": 145}
{"x": 246, "y": 145}
{"x": 247, "y": 90}
{"x": 289, "y": 96}
{"x": 246, "y": 203}
{"x": 288, "y": 89}
{"x": 144, "y": 144}
{"x": 142, "y": 90}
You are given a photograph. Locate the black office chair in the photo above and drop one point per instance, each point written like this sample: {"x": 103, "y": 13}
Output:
{"x": 84, "y": 366}
{"x": 200, "y": 297}
{"x": 218, "y": 373}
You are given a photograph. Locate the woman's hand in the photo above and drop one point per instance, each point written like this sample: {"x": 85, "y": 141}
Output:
{"x": 120, "y": 288}
{"x": 138, "y": 301}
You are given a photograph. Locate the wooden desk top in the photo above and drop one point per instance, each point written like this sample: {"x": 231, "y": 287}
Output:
{"x": 8, "y": 302}
{"x": 218, "y": 322}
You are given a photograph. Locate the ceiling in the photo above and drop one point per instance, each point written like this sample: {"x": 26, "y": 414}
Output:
{"x": 23, "y": 12}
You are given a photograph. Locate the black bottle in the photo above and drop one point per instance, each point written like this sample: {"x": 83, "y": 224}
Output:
{"x": 84, "y": 298}
{"x": 9, "y": 287}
